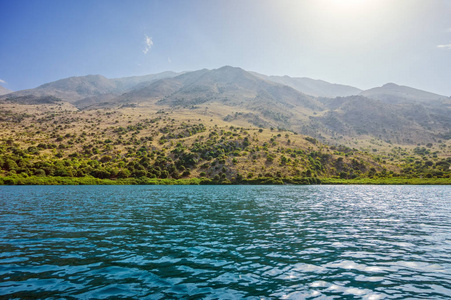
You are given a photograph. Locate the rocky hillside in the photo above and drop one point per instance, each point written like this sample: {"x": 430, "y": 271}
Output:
{"x": 398, "y": 123}
{"x": 393, "y": 93}
{"x": 389, "y": 114}
{"x": 44, "y": 141}
{"x": 314, "y": 87}
{"x": 82, "y": 91}
{"x": 52, "y": 141}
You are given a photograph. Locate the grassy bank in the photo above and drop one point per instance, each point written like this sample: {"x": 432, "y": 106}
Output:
{"x": 386, "y": 181}
{"x": 55, "y": 180}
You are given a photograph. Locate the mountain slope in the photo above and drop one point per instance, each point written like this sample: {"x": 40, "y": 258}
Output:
{"x": 47, "y": 144}
{"x": 82, "y": 90}
{"x": 393, "y": 93}
{"x": 391, "y": 113}
{"x": 133, "y": 144}
{"x": 398, "y": 122}
{"x": 4, "y": 91}
{"x": 264, "y": 102}
{"x": 313, "y": 87}
{"x": 68, "y": 90}
{"x": 228, "y": 85}
{"x": 134, "y": 82}
{"x": 158, "y": 89}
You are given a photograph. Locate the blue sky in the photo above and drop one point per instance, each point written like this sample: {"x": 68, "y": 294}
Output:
{"x": 364, "y": 43}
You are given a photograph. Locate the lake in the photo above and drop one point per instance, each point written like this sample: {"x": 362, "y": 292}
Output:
{"x": 225, "y": 242}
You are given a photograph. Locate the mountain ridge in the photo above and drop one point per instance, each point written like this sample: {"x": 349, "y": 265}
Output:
{"x": 77, "y": 87}
{"x": 314, "y": 87}
{"x": 391, "y": 112}
{"x": 391, "y": 92}
{"x": 4, "y": 91}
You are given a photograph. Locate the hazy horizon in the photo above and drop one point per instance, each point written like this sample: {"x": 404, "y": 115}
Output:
{"x": 361, "y": 43}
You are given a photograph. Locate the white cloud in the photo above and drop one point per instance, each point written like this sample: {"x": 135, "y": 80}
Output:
{"x": 148, "y": 44}
{"x": 2, "y": 81}
{"x": 448, "y": 46}
{"x": 169, "y": 60}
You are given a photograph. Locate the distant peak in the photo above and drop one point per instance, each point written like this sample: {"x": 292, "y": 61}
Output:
{"x": 4, "y": 90}
{"x": 225, "y": 68}
{"x": 94, "y": 76}
{"x": 390, "y": 85}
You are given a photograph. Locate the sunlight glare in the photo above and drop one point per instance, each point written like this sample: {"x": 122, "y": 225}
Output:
{"x": 346, "y": 6}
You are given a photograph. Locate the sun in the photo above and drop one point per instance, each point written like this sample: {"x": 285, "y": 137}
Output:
{"x": 347, "y": 5}
{"x": 349, "y": 2}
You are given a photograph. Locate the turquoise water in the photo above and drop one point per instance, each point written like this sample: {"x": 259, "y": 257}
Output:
{"x": 225, "y": 242}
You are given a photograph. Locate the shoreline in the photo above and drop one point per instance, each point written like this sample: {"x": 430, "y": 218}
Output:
{"x": 54, "y": 180}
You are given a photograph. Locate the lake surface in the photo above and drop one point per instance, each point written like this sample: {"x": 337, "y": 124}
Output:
{"x": 225, "y": 242}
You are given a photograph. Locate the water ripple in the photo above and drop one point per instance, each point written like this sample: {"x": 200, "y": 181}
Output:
{"x": 225, "y": 242}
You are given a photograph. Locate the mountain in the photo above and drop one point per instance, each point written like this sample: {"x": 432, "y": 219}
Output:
{"x": 240, "y": 96}
{"x": 393, "y": 93}
{"x": 228, "y": 85}
{"x": 127, "y": 83}
{"x": 68, "y": 90}
{"x": 82, "y": 90}
{"x": 400, "y": 123}
{"x": 258, "y": 101}
{"x": 220, "y": 126}
{"x": 392, "y": 113}
{"x": 158, "y": 89}
{"x": 313, "y": 87}
{"x": 122, "y": 85}
{"x": 4, "y": 91}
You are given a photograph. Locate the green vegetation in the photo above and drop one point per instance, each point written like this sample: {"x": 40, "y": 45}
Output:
{"x": 57, "y": 146}
{"x": 389, "y": 181}
{"x": 52, "y": 180}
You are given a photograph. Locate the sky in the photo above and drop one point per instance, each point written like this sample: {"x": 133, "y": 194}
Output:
{"x": 362, "y": 43}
